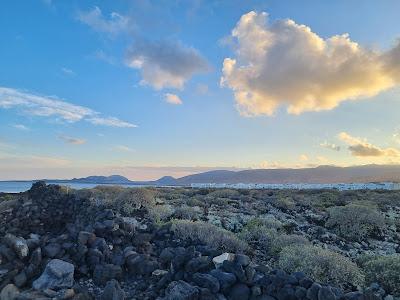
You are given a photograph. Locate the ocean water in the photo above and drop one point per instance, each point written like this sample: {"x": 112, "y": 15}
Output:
{"x": 22, "y": 186}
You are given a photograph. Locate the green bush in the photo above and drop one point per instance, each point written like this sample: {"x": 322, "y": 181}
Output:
{"x": 321, "y": 265}
{"x": 187, "y": 212}
{"x": 225, "y": 193}
{"x": 282, "y": 241}
{"x": 355, "y": 222}
{"x": 161, "y": 213}
{"x": 124, "y": 200}
{"x": 208, "y": 234}
{"x": 257, "y": 231}
{"x": 386, "y": 271}
{"x": 283, "y": 202}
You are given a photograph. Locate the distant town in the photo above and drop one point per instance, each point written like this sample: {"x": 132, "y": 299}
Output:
{"x": 304, "y": 186}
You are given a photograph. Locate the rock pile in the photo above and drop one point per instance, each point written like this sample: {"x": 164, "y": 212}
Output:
{"x": 55, "y": 246}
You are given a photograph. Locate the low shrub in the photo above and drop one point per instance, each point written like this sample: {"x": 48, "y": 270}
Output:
{"x": 282, "y": 241}
{"x": 321, "y": 265}
{"x": 283, "y": 202}
{"x": 124, "y": 200}
{"x": 225, "y": 193}
{"x": 161, "y": 213}
{"x": 187, "y": 212}
{"x": 208, "y": 234}
{"x": 386, "y": 271}
{"x": 355, "y": 222}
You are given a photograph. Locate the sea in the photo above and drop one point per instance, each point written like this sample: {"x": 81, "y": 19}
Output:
{"x": 22, "y": 186}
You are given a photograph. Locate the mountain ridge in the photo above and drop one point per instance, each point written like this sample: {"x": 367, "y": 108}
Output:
{"x": 320, "y": 174}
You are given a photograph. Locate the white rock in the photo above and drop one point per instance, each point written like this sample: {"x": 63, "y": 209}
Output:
{"x": 218, "y": 260}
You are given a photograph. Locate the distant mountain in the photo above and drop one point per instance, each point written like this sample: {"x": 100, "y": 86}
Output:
{"x": 113, "y": 179}
{"x": 321, "y": 174}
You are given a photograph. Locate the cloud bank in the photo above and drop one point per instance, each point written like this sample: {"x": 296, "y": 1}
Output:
{"x": 286, "y": 64}
{"x": 362, "y": 148}
{"x": 44, "y": 106}
{"x": 165, "y": 64}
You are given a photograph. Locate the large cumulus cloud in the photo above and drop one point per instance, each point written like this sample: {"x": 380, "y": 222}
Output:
{"x": 286, "y": 64}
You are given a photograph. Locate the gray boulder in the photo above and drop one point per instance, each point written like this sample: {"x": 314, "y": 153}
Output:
{"x": 9, "y": 292}
{"x": 57, "y": 274}
{"x": 18, "y": 244}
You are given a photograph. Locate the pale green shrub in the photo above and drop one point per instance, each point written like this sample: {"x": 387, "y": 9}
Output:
{"x": 208, "y": 234}
{"x": 281, "y": 241}
{"x": 187, "y": 212}
{"x": 124, "y": 200}
{"x": 355, "y": 222}
{"x": 321, "y": 265}
{"x": 161, "y": 213}
{"x": 386, "y": 271}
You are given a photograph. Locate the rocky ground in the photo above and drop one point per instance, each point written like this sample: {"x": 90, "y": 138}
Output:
{"x": 111, "y": 243}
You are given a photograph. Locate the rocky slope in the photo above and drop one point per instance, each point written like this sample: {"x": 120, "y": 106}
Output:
{"x": 56, "y": 245}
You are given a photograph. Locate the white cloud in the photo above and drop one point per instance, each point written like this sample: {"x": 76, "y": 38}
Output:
{"x": 172, "y": 99}
{"x": 286, "y": 64}
{"x": 165, "y": 63}
{"x": 124, "y": 148}
{"x": 68, "y": 72}
{"x": 94, "y": 18}
{"x": 44, "y": 106}
{"x": 362, "y": 148}
{"x": 72, "y": 140}
{"x": 110, "y": 121}
{"x": 330, "y": 146}
{"x": 21, "y": 127}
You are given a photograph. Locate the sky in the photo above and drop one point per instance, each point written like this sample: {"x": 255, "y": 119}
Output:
{"x": 152, "y": 88}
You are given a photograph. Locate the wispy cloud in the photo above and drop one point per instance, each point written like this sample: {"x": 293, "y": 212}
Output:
{"x": 166, "y": 64}
{"x": 68, "y": 72}
{"x": 72, "y": 140}
{"x": 172, "y": 99}
{"x": 44, "y": 106}
{"x": 115, "y": 24}
{"x": 286, "y": 64}
{"x": 21, "y": 127}
{"x": 123, "y": 148}
{"x": 101, "y": 55}
{"x": 330, "y": 146}
{"x": 362, "y": 148}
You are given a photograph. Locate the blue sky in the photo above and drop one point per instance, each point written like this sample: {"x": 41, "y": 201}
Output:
{"x": 150, "y": 88}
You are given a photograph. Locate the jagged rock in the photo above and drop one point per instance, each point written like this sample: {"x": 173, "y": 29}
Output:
{"x": 9, "y": 292}
{"x": 57, "y": 274}
{"x": 239, "y": 291}
{"x": 206, "y": 281}
{"x": 312, "y": 292}
{"x": 52, "y": 250}
{"x": 112, "y": 291}
{"x": 226, "y": 280}
{"x": 18, "y": 244}
{"x": 181, "y": 290}
{"x": 218, "y": 260}
{"x": 85, "y": 237}
{"x": 20, "y": 279}
{"x": 326, "y": 293}
{"x": 104, "y": 273}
